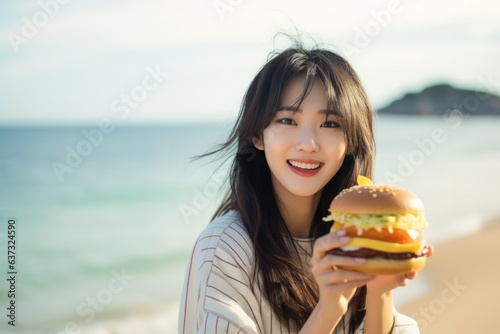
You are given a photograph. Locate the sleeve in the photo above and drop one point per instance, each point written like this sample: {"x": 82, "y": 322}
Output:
{"x": 217, "y": 295}
{"x": 402, "y": 325}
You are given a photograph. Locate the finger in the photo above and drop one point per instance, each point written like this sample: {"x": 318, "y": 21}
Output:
{"x": 338, "y": 287}
{"x": 431, "y": 250}
{"x": 328, "y": 242}
{"x": 330, "y": 261}
{"x": 342, "y": 277}
{"x": 411, "y": 275}
{"x": 404, "y": 278}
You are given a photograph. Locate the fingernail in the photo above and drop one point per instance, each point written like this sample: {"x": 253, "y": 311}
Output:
{"x": 344, "y": 239}
{"x": 359, "y": 259}
{"x": 340, "y": 233}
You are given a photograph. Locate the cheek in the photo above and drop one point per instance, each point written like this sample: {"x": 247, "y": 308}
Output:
{"x": 268, "y": 136}
{"x": 274, "y": 136}
{"x": 337, "y": 145}
{"x": 343, "y": 148}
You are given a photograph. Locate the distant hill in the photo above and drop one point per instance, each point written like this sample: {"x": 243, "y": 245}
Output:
{"x": 441, "y": 99}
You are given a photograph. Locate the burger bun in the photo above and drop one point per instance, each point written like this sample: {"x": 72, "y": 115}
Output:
{"x": 380, "y": 266}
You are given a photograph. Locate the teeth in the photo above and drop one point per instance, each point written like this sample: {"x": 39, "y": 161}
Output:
{"x": 303, "y": 165}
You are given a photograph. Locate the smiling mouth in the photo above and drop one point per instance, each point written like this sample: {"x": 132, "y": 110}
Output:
{"x": 304, "y": 165}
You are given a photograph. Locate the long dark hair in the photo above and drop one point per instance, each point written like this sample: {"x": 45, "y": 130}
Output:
{"x": 284, "y": 280}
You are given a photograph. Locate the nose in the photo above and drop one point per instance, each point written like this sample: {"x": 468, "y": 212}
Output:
{"x": 307, "y": 140}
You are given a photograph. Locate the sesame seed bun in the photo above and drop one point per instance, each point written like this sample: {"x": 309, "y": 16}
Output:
{"x": 377, "y": 199}
{"x": 386, "y": 226}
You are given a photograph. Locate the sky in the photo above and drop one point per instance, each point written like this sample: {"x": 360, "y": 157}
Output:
{"x": 158, "y": 61}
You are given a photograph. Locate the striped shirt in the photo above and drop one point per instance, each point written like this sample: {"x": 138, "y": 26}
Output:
{"x": 217, "y": 296}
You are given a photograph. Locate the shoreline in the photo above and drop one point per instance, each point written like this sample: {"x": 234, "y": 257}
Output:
{"x": 462, "y": 296}
{"x": 446, "y": 297}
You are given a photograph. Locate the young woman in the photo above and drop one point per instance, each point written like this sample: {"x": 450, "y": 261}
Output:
{"x": 303, "y": 134}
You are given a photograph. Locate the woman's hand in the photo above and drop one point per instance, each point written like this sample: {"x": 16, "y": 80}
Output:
{"x": 336, "y": 286}
{"x": 384, "y": 283}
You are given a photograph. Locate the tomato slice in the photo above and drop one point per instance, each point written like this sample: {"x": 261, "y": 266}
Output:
{"x": 398, "y": 235}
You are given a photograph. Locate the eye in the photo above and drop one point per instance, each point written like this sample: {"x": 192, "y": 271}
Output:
{"x": 330, "y": 124}
{"x": 286, "y": 121}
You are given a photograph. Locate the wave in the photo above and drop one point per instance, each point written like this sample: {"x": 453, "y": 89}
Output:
{"x": 159, "y": 322}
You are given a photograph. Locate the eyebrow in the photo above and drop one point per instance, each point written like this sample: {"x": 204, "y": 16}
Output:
{"x": 295, "y": 109}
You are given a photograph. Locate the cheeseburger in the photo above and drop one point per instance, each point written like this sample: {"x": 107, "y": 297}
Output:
{"x": 385, "y": 224}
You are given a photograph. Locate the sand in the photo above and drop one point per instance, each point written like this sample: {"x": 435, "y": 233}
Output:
{"x": 465, "y": 286}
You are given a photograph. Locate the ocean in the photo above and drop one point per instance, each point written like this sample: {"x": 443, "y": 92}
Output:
{"x": 105, "y": 221}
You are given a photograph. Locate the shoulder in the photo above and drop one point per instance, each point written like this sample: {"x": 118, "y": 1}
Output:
{"x": 403, "y": 324}
{"x": 227, "y": 239}
{"x": 217, "y": 293}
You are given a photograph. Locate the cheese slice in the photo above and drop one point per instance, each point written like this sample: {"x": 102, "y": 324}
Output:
{"x": 384, "y": 246}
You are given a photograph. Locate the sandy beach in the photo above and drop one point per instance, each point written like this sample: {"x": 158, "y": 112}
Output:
{"x": 464, "y": 295}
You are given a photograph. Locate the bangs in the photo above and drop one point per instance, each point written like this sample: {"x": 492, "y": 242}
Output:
{"x": 347, "y": 98}
{"x": 312, "y": 73}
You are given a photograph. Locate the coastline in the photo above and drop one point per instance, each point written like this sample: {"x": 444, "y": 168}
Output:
{"x": 463, "y": 296}
{"x": 453, "y": 297}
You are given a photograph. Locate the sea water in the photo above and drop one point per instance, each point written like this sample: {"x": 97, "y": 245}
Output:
{"x": 103, "y": 240}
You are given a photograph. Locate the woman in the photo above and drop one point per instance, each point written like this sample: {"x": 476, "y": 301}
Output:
{"x": 304, "y": 133}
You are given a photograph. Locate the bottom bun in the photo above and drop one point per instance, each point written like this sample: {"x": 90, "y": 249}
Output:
{"x": 380, "y": 266}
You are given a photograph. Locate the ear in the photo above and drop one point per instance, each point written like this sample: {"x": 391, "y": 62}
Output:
{"x": 258, "y": 143}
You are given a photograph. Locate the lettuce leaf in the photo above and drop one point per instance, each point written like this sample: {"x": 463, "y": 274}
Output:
{"x": 406, "y": 221}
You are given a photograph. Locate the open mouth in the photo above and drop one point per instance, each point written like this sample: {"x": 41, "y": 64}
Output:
{"x": 304, "y": 165}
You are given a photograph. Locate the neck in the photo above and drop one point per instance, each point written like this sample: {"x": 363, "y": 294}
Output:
{"x": 298, "y": 212}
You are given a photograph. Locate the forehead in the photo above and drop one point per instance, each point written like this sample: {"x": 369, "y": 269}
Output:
{"x": 295, "y": 93}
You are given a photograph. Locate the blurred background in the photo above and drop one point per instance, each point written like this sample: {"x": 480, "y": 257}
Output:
{"x": 103, "y": 104}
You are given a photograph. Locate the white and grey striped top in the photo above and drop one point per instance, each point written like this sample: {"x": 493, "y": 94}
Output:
{"x": 217, "y": 296}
